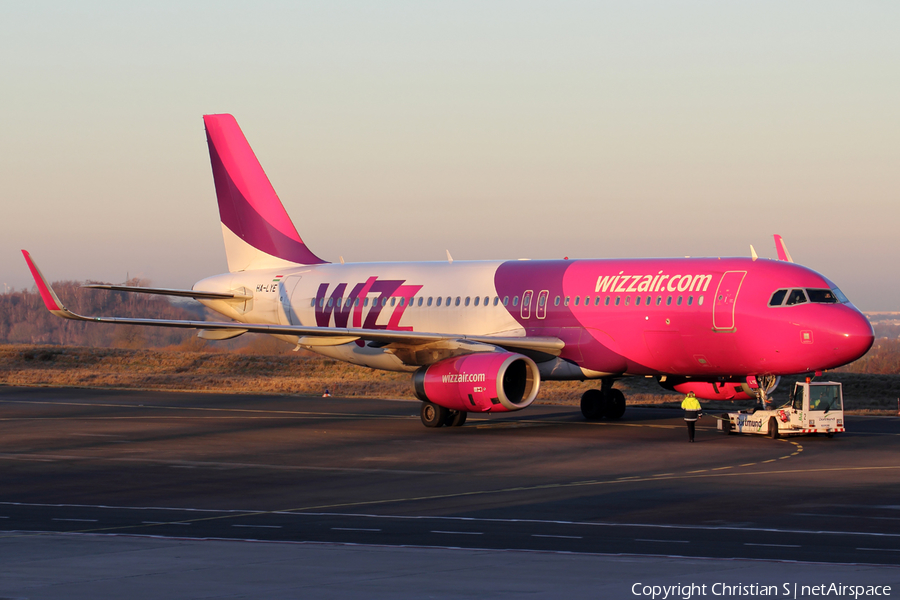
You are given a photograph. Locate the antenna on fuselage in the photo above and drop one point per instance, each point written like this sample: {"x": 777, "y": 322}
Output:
{"x": 449, "y": 258}
{"x": 753, "y": 253}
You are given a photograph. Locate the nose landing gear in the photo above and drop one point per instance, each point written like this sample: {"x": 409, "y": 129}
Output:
{"x": 605, "y": 403}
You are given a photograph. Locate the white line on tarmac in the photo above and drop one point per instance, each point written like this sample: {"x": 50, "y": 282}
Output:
{"x": 665, "y": 541}
{"x": 470, "y": 519}
{"x": 260, "y": 526}
{"x": 881, "y": 549}
{"x": 460, "y": 532}
{"x": 562, "y": 537}
{"x": 773, "y": 545}
{"x": 78, "y": 520}
{"x": 352, "y": 529}
{"x": 163, "y": 523}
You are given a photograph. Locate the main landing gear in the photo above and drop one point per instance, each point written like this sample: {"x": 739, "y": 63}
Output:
{"x": 435, "y": 415}
{"x": 605, "y": 403}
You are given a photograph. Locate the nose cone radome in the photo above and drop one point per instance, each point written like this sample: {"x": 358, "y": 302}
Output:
{"x": 853, "y": 335}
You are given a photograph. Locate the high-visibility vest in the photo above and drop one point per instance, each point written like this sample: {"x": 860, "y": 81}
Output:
{"x": 691, "y": 408}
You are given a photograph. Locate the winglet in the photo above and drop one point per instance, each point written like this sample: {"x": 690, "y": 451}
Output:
{"x": 782, "y": 250}
{"x": 51, "y": 300}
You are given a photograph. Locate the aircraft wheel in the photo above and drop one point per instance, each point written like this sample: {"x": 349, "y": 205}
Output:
{"x": 773, "y": 428}
{"x": 593, "y": 405}
{"x": 433, "y": 415}
{"x": 615, "y": 405}
{"x": 457, "y": 418}
{"x": 726, "y": 426}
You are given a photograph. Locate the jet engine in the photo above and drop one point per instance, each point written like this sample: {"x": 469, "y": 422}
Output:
{"x": 480, "y": 382}
{"x": 714, "y": 390}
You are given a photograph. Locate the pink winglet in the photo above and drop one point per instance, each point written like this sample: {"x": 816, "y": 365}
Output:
{"x": 782, "y": 250}
{"x": 47, "y": 294}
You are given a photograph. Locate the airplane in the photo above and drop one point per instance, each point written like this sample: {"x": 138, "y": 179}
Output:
{"x": 480, "y": 336}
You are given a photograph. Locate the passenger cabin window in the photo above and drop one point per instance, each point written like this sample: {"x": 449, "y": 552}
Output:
{"x": 515, "y": 301}
{"x": 420, "y": 301}
{"x": 486, "y": 299}
{"x": 467, "y": 300}
{"x": 566, "y": 301}
{"x": 457, "y": 301}
{"x": 556, "y": 301}
{"x": 439, "y": 300}
{"x": 821, "y": 296}
{"x": 777, "y": 298}
{"x": 577, "y": 298}
{"x": 429, "y": 300}
{"x": 796, "y": 297}
{"x": 637, "y": 301}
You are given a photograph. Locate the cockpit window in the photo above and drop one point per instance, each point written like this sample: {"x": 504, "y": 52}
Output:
{"x": 840, "y": 295}
{"x": 821, "y": 296}
{"x": 777, "y": 298}
{"x": 796, "y": 297}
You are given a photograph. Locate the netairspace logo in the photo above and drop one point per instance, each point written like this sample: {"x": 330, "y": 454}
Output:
{"x": 785, "y": 590}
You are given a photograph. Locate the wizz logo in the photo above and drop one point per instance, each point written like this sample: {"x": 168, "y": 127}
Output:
{"x": 341, "y": 308}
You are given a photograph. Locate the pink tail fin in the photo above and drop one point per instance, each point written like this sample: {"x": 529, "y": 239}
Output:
{"x": 258, "y": 232}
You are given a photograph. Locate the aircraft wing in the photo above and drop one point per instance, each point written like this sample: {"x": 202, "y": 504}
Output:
{"x": 168, "y": 292}
{"x": 312, "y": 336}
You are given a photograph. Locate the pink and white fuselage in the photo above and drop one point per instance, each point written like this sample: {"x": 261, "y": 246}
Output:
{"x": 693, "y": 317}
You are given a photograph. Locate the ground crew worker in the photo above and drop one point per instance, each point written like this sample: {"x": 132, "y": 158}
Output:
{"x": 691, "y": 407}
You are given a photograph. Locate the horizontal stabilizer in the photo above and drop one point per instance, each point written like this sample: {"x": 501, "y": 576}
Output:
{"x": 170, "y": 292}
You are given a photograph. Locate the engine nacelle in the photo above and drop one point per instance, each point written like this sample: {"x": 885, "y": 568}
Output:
{"x": 713, "y": 390}
{"x": 481, "y": 382}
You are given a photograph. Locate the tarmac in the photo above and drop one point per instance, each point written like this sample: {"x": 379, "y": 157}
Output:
{"x": 110, "y": 493}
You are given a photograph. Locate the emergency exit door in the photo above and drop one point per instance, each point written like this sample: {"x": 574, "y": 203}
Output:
{"x": 726, "y": 299}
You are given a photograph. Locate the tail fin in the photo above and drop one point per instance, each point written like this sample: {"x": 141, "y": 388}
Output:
{"x": 258, "y": 232}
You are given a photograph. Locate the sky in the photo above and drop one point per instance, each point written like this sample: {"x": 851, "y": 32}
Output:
{"x": 495, "y": 130}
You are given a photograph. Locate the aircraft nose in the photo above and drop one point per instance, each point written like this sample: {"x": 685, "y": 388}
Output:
{"x": 854, "y": 333}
